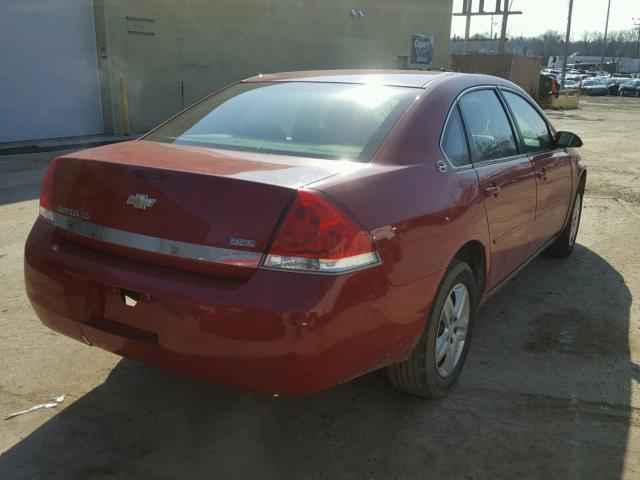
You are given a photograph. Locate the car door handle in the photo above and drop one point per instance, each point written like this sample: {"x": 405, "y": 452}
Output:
{"x": 541, "y": 174}
{"x": 492, "y": 191}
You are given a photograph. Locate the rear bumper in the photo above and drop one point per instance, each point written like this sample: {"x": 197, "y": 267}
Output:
{"x": 277, "y": 332}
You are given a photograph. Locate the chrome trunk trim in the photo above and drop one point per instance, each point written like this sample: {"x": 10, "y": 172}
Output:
{"x": 164, "y": 246}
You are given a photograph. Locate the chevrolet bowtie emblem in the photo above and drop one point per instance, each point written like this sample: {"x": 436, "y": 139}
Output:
{"x": 140, "y": 200}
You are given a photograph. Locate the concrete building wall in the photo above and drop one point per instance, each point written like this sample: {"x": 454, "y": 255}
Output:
{"x": 49, "y": 83}
{"x": 173, "y": 53}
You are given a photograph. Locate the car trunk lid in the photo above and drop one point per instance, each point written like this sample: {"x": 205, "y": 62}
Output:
{"x": 186, "y": 207}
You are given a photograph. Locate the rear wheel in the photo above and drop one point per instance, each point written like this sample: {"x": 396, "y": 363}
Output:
{"x": 564, "y": 244}
{"x": 437, "y": 359}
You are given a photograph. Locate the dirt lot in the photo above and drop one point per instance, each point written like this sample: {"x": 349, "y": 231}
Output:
{"x": 551, "y": 388}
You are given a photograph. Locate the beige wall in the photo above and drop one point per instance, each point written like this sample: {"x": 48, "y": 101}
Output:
{"x": 189, "y": 48}
{"x": 523, "y": 71}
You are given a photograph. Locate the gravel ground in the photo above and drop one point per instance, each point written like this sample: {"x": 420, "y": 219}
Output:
{"x": 551, "y": 388}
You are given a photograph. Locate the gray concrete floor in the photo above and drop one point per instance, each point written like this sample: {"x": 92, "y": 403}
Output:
{"x": 57, "y": 144}
{"x": 551, "y": 388}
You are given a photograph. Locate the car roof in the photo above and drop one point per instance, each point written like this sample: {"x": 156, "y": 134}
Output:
{"x": 396, "y": 78}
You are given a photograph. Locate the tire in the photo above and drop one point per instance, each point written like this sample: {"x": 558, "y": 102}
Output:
{"x": 564, "y": 244}
{"x": 420, "y": 374}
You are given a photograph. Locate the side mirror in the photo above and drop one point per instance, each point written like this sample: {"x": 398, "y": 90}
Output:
{"x": 568, "y": 140}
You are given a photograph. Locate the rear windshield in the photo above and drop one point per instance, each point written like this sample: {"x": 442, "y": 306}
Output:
{"x": 319, "y": 120}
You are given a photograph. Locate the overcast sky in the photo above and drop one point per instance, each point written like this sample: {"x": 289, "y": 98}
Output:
{"x": 541, "y": 15}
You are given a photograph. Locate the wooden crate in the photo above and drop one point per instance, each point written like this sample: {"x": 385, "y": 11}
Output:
{"x": 566, "y": 100}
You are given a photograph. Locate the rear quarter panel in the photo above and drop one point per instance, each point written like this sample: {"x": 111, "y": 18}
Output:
{"x": 419, "y": 219}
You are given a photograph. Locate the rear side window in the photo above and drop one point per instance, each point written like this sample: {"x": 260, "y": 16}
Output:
{"x": 454, "y": 143}
{"x": 489, "y": 128}
{"x": 535, "y": 132}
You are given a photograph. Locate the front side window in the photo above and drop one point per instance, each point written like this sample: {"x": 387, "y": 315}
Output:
{"x": 535, "y": 132}
{"x": 488, "y": 125}
{"x": 320, "y": 120}
{"x": 454, "y": 143}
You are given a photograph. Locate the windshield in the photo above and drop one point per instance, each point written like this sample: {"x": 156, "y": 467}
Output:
{"x": 591, "y": 83}
{"x": 319, "y": 120}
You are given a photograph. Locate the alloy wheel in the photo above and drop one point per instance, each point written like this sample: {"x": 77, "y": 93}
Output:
{"x": 575, "y": 218}
{"x": 452, "y": 330}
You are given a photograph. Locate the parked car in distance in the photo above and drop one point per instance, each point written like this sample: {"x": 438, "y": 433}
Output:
{"x": 630, "y": 89}
{"x": 571, "y": 84}
{"x": 614, "y": 83}
{"x": 573, "y": 78}
{"x": 593, "y": 87}
{"x": 293, "y": 231}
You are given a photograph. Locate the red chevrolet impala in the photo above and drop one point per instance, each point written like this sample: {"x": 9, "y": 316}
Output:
{"x": 296, "y": 230}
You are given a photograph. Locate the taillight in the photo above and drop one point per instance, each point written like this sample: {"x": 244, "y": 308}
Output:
{"x": 46, "y": 193}
{"x": 315, "y": 236}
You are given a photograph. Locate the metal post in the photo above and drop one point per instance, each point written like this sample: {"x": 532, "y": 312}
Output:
{"x": 566, "y": 45}
{"x": 637, "y": 25}
{"x": 124, "y": 107}
{"x": 606, "y": 31}
{"x": 503, "y": 33}
{"x": 466, "y": 8}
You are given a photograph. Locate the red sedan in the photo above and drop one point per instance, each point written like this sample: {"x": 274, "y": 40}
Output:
{"x": 293, "y": 231}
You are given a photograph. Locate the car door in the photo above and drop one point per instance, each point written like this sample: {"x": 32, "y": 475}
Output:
{"x": 551, "y": 166}
{"x": 505, "y": 177}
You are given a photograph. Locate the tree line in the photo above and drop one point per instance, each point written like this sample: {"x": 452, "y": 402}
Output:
{"x": 620, "y": 43}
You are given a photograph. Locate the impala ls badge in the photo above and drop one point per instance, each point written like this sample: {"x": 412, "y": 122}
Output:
{"x": 140, "y": 200}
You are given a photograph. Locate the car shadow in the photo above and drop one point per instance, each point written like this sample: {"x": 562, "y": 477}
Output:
{"x": 545, "y": 394}
{"x": 21, "y": 175}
